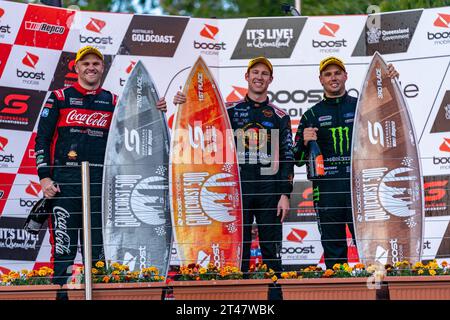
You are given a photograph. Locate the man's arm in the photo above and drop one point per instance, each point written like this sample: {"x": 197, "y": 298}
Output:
{"x": 44, "y": 138}
{"x": 286, "y": 166}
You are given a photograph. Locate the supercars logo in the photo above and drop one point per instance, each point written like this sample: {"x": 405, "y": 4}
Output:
{"x": 445, "y": 146}
{"x": 95, "y": 25}
{"x": 3, "y": 143}
{"x": 30, "y": 60}
{"x": 15, "y": 104}
{"x": 297, "y": 235}
{"x": 329, "y": 29}
{"x": 209, "y": 31}
{"x": 237, "y": 94}
{"x": 443, "y": 20}
{"x": 33, "y": 189}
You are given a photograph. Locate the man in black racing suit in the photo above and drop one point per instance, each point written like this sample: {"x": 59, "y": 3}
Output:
{"x": 263, "y": 140}
{"x": 330, "y": 122}
{"x": 73, "y": 127}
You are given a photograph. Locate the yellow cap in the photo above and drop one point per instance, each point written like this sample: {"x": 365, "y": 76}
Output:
{"x": 331, "y": 60}
{"x": 261, "y": 59}
{"x": 87, "y": 50}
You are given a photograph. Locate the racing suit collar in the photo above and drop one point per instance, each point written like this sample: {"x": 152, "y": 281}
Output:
{"x": 335, "y": 100}
{"x": 84, "y": 91}
{"x": 255, "y": 104}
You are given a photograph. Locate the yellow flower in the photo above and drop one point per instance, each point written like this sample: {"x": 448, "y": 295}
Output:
{"x": 328, "y": 273}
{"x": 420, "y": 271}
{"x": 337, "y": 266}
{"x": 94, "y": 271}
{"x": 100, "y": 264}
{"x": 285, "y": 275}
{"x": 202, "y": 271}
{"x": 432, "y": 272}
{"x": 42, "y": 273}
{"x": 274, "y": 278}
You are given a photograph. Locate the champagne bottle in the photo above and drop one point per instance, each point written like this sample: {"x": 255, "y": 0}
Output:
{"x": 316, "y": 166}
{"x": 37, "y": 217}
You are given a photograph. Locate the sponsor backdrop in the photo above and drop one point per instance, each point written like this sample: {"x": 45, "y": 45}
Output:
{"x": 37, "y": 51}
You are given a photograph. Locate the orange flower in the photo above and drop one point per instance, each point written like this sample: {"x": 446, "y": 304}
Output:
{"x": 328, "y": 273}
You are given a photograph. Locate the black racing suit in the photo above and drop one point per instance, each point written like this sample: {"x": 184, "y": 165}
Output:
{"x": 334, "y": 119}
{"x": 73, "y": 127}
{"x": 264, "y": 150}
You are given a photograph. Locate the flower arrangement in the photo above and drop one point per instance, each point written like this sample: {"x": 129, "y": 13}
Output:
{"x": 115, "y": 273}
{"x": 25, "y": 277}
{"x": 405, "y": 268}
{"x": 261, "y": 271}
{"x": 338, "y": 271}
{"x": 194, "y": 271}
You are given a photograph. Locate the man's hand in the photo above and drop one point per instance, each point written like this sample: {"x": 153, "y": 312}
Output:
{"x": 179, "y": 98}
{"x": 392, "y": 73}
{"x": 283, "y": 207}
{"x": 161, "y": 105}
{"x": 48, "y": 188}
{"x": 309, "y": 134}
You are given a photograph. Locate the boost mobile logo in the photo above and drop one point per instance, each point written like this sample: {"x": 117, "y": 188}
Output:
{"x": 95, "y": 25}
{"x": 443, "y": 20}
{"x": 329, "y": 29}
{"x": 209, "y": 31}
{"x": 339, "y": 134}
{"x": 30, "y": 60}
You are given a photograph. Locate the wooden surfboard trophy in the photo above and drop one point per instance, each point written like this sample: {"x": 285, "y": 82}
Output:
{"x": 387, "y": 188}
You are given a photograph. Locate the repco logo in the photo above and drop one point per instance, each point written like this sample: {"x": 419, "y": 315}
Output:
{"x": 442, "y": 21}
{"x": 341, "y": 139}
{"x": 30, "y": 60}
{"x": 96, "y": 25}
{"x": 15, "y": 104}
{"x": 209, "y": 32}
{"x": 329, "y": 30}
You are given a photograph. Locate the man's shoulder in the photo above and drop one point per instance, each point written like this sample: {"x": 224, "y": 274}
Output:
{"x": 278, "y": 111}
{"x": 232, "y": 104}
{"x": 60, "y": 94}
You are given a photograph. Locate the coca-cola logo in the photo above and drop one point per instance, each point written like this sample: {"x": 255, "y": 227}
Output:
{"x": 62, "y": 238}
{"x": 86, "y": 118}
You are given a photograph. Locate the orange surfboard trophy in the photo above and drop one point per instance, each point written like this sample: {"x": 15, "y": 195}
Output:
{"x": 204, "y": 177}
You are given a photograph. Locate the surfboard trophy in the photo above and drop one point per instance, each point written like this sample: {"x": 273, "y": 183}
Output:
{"x": 137, "y": 228}
{"x": 386, "y": 176}
{"x": 204, "y": 177}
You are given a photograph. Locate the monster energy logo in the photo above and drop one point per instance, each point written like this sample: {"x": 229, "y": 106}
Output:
{"x": 339, "y": 134}
{"x": 316, "y": 194}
